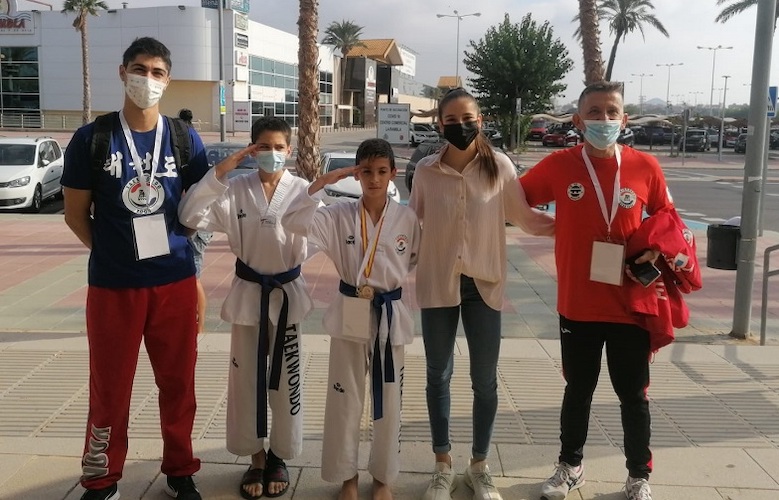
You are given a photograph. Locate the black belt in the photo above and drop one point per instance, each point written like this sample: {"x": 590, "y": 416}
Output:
{"x": 268, "y": 283}
{"x": 379, "y": 300}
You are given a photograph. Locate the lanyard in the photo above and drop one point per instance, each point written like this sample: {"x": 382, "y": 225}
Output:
{"x": 155, "y": 156}
{"x": 599, "y": 191}
{"x": 364, "y": 235}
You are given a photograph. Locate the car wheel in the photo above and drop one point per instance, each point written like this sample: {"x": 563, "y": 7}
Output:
{"x": 37, "y": 200}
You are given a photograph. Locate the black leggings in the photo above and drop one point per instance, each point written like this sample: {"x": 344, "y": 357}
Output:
{"x": 627, "y": 356}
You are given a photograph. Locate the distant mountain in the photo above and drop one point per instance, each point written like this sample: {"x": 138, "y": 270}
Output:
{"x": 655, "y": 101}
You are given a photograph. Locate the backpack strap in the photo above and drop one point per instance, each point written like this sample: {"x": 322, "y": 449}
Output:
{"x": 101, "y": 143}
{"x": 181, "y": 145}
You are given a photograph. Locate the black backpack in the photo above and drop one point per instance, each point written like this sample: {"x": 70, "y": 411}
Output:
{"x": 101, "y": 142}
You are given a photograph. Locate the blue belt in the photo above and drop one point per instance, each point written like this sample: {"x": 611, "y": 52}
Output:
{"x": 379, "y": 300}
{"x": 268, "y": 283}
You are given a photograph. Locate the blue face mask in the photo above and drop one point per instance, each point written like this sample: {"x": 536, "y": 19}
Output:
{"x": 601, "y": 134}
{"x": 271, "y": 161}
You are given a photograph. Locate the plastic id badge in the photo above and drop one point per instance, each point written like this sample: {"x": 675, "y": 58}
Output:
{"x": 608, "y": 261}
{"x": 151, "y": 236}
{"x": 356, "y": 316}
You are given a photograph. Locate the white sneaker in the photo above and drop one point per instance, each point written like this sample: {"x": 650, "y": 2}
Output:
{"x": 441, "y": 484}
{"x": 564, "y": 480}
{"x": 477, "y": 478}
{"x": 637, "y": 489}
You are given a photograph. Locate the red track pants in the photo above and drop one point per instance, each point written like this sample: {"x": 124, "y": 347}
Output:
{"x": 165, "y": 318}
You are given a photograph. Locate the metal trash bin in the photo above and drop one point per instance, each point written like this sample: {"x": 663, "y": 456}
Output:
{"x": 722, "y": 246}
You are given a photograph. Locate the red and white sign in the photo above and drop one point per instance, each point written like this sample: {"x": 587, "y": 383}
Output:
{"x": 241, "y": 58}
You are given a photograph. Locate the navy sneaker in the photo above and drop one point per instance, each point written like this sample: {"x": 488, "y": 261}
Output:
{"x": 108, "y": 493}
{"x": 183, "y": 488}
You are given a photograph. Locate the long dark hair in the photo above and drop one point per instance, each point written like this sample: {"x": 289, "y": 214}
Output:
{"x": 483, "y": 146}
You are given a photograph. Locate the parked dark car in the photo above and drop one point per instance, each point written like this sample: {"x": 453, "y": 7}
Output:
{"x": 741, "y": 144}
{"x": 626, "y": 137}
{"x": 696, "y": 139}
{"x": 652, "y": 135}
{"x": 423, "y": 150}
{"x": 494, "y": 135}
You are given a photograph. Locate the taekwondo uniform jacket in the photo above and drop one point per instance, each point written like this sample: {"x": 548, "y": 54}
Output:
{"x": 256, "y": 235}
{"x": 335, "y": 229}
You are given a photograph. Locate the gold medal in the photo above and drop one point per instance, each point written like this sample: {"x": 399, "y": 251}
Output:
{"x": 365, "y": 292}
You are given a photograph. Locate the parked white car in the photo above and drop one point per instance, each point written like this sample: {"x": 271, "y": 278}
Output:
{"x": 349, "y": 188}
{"x": 30, "y": 172}
{"x": 421, "y": 132}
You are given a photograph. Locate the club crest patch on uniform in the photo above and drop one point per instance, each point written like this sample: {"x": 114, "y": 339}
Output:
{"x": 575, "y": 191}
{"x": 401, "y": 243}
{"x": 350, "y": 239}
{"x": 627, "y": 198}
{"x": 143, "y": 198}
{"x": 687, "y": 235}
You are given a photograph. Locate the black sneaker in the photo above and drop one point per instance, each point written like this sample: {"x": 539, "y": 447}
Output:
{"x": 183, "y": 488}
{"x": 109, "y": 493}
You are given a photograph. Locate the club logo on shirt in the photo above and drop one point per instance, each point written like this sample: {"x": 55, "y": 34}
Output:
{"x": 401, "y": 243}
{"x": 687, "y": 235}
{"x": 627, "y": 198}
{"x": 575, "y": 191}
{"x": 350, "y": 239}
{"x": 143, "y": 198}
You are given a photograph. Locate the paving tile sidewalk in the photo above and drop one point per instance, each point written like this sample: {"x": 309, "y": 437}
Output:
{"x": 714, "y": 399}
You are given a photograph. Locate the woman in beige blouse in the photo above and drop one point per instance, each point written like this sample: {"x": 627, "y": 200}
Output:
{"x": 463, "y": 195}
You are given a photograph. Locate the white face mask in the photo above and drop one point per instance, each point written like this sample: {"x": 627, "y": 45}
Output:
{"x": 145, "y": 92}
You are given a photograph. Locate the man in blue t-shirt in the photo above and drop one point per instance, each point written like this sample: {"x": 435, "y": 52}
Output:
{"x": 141, "y": 275}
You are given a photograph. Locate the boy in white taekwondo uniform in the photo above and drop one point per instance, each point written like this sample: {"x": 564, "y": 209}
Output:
{"x": 373, "y": 243}
{"x": 266, "y": 303}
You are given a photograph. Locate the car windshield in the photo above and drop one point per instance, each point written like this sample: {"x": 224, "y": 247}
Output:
{"x": 217, "y": 153}
{"x": 17, "y": 154}
{"x": 335, "y": 163}
{"x": 693, "y": 133}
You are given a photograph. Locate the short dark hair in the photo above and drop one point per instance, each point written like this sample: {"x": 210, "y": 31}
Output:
{"x": 375, "y": 148}
{"x": 147, "y": 46}
{"x": 186, "y": 115}
{"x": 273, "y": 124}
{"x": 602, "y": 86}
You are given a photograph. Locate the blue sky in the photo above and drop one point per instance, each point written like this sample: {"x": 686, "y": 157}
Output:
{"x": 414, "y": 24}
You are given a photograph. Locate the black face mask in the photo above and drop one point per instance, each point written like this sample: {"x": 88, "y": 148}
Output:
{"x": 461, "y": 135}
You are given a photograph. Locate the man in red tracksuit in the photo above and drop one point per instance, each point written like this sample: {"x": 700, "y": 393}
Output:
{"x": 600, "y": 190}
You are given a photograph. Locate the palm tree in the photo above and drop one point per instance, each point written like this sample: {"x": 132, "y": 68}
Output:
{"x": 590, "y": 38}
{"x": 624, "y": 17}
{"x": 308, "y": 90}
{"x": 344, "y": 36}
{"x": 737, "y": 7}
{"x": 84, "y": 8}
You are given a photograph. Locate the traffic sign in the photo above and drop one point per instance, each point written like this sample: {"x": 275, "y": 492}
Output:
{"x": 772, "y": 91}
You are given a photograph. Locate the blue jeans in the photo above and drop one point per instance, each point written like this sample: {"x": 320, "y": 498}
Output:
{"x": 482, "y": 331}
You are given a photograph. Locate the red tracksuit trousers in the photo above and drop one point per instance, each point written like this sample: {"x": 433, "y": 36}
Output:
{"x": 165, "y": 318}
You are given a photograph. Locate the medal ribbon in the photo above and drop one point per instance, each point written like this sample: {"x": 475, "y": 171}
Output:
{"x": 609, "y": 219}
{"x": 364, "y": 235}
{"x": 137, "y": 161}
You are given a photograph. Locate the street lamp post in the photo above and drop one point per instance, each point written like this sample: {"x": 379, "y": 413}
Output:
{"x": 459, "y": 18}
{"x": 696, "y": 94}
{"x": 668, "y": 97}
{"x": 641, "y": 90}
{"x": 722, "y": 118}
{"x": 713, "y": 64}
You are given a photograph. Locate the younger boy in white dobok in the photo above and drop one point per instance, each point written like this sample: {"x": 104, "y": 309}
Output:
{"x": 267, "y": 301}
{"x": 373, "y": 243}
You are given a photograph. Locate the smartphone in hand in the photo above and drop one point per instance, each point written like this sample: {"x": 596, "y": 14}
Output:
{"x": 646, "y": 273}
